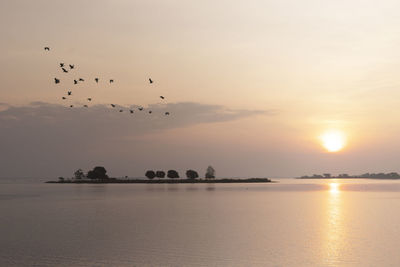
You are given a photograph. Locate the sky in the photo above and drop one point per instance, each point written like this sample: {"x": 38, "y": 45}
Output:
{"x": 251, "y": 86}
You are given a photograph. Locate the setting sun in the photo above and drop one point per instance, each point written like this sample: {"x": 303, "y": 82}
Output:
{"x": 333, "y": 140}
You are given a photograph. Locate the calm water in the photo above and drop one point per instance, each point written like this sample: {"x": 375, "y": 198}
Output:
{"x": 290, "y": 223}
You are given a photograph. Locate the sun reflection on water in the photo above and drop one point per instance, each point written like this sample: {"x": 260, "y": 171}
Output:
{"x": 334, "y": 226}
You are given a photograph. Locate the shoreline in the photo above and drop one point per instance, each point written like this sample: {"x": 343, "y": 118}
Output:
{"x": 163, "y": 181}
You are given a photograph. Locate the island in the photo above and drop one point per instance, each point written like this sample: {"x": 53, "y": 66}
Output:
{"x": 99, "y": 176}
{"x": 380, "y": 175}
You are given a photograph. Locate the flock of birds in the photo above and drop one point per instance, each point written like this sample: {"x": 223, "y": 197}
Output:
{"x": 70, "y": 67}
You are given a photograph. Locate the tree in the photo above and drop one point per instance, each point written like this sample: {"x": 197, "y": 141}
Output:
{"x": 172, "y": 174}
{"x": 327, "y": 175}
{"x": 78, "y": 174}
{"x": 191, "y": 174}
{"x": 150, "y": 174}
{"x": 97, "y": 173}
{"x": 210, "y": 173}
{"x": 160, "y": 174}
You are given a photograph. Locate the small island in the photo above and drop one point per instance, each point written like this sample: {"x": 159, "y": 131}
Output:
{"x": 381, "y": 175}
{"x": 99, "y": 176}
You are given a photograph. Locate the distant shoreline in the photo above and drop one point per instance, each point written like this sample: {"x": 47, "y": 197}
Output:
{"x": 162, "y": 181}
{"x": 330, "y": 178}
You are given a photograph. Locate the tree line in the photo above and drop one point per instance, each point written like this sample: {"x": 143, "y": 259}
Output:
{"x": 173, "y": 174}
{"x": 100, "y": 173}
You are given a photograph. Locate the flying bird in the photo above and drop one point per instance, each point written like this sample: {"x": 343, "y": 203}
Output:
{"x": 75, "y": 82}
{"x": 46, "y": 48}
{"x": 61, "y": 64}
{"x": 113, "y": 105}
{"x": 56, "y": 80}
{"x": 71, "y": 66}
{"x": 64, "y": 70}
{"x": 69, "y": 92}
{"x": 89, "y": 99}
{"x": 81, "y": 80}
{"x": 162, "y": 97}
{"x": 96, "y": 79}
{"x": 167, "y": 113}
{"x": 111, "y": 81}
{"x": 150, "y": 80}
{"x": 64, "y": 98}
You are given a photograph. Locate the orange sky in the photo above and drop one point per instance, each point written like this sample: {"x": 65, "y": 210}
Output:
{"x": 287, "y": 70}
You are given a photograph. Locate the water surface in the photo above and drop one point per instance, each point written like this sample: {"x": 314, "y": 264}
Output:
{"x": 290, "y": 223}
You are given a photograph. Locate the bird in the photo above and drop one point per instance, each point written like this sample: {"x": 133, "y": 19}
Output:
{"x": 162, "y": 97}
{"x": 89, "y": 99}
{"x": 64, "y": 70}
{"x": 120, "y": 110}
{"x": 111, "y": 81}
{"x": 81, "y": 80}
{"x": 69, "y": 92}
{"x": 113, "y": 105}
{"x": 71, "y": 66}
{"x": 131, "y": 111}
{"x": 64, "y": 98}
{"x": 86, "y": 106}
{"x": 140, "y": 108}
{"x": 71, "y": 106}
{"x": 96, "y": 79}
{"x": 56, "y": 80}
{"x": 150, "y": 80}
{"x": 167, "y": 113}
{"x": 150, "y": 111}
{"x": 61, "y": 64}
{"x": 46, "y": 48}
{"x": 75, "y": 82}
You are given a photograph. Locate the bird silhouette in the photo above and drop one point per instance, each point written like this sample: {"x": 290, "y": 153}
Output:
{"x": 150, "y": 111}
{"x": 140, "y": 108}
{"x": 56, "y": 80}
{"x": 69, "y": 92}
{"x": 71, "y": 106}
{"x": 71, "y": 66}
{"x": 113, "y": 105}
{"x": 162, "y": 97}
{"x": 75, "y": 82}
{"x": 89, "y": 99}
{"x": 46, "y": 48}
{"x": 150, "y": 80}
{"x": 81, "y": 80}
{"x": 167, "y": 113}
{"x": 61, "y": 64}
{"x": 64, "y": 98}
{"x": 64, "y": 70}
{"x": 111, "y": 81}
{"x": 131, "y": 111}
{"x": 96, "y": 79}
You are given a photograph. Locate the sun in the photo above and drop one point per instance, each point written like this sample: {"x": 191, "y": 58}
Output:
{"x": 333, "y": 140}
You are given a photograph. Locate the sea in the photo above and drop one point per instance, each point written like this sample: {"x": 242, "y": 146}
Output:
{"x": 291, "y": 222}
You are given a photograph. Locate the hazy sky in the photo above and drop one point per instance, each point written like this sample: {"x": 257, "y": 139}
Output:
{"x": 251, "y": 85}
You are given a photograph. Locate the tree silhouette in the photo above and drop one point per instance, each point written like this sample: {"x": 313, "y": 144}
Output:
{"x": 98, "y": 172}
{"x": 210, "y": 173}
{"x": 78, "y": 174}
{"x": 172, "y": 174}
{"x": 191, "y": 174}
{"x": 160, "y": 174}
{"x": 150, "y": 174}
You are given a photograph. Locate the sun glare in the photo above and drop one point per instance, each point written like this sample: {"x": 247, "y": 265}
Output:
{"x": 333, "y": 140}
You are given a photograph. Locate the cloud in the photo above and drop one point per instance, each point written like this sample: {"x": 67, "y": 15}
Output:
{"x": 41, "y": 134}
